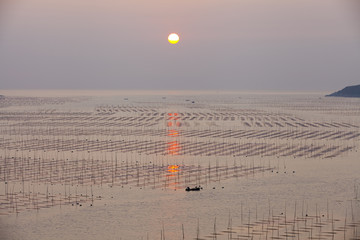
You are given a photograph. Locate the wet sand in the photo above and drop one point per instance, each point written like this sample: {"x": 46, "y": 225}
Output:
{"x": 115, "y": 165}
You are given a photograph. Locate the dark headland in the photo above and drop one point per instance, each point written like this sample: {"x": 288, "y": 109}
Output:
{"x": 350, "y": 91}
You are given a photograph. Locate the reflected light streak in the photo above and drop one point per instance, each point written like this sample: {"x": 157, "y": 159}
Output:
{"x": 172, "y": 175}
{"x": 173, "y": 133}
{"x": 173, "y": 147}
{"x": 173, "y": 168}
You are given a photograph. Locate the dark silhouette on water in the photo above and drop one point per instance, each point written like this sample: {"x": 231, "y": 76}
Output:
{"x": 197, "y": 188}
{"x": 350, "y": 91}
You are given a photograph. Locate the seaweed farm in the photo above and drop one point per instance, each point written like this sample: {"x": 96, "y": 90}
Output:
{"x": 115, "y": 165}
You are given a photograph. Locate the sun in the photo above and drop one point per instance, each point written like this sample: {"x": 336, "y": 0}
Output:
{"x": 173, "y": 38}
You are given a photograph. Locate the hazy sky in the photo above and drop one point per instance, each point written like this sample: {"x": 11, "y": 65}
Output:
{"x": 224, "y": 44}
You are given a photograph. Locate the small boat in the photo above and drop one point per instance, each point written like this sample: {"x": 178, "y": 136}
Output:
{"x": 193, "y": 189}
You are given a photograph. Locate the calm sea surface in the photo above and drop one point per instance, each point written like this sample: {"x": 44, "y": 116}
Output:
{"x": 115, "y": 165}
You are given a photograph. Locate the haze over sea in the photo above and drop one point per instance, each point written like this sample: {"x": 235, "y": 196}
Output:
{"x": 112, "y": 127}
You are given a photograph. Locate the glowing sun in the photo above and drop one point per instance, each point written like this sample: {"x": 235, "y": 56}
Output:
{"x": 173, "y": 38}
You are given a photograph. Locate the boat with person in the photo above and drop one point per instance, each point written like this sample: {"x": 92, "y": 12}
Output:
{"x": 196, "y": 188}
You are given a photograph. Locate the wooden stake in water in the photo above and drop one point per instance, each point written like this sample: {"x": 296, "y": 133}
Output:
{"x": 241, "y": 213}
{"x": 345, "y": 225}
{"x": 327, "y": 209}
{"x": 183, "y": 232}
{"x": 197, "y": 230}
{"x": 215, "y": 236}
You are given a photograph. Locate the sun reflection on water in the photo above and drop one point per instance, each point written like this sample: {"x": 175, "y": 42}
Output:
{"x": 173, "y": 168}
{"x": 173, "y": 148}
{"x": 173, "y": 122}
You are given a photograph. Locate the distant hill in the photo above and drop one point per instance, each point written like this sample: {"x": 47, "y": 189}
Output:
{"x": 350, "y": 91}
